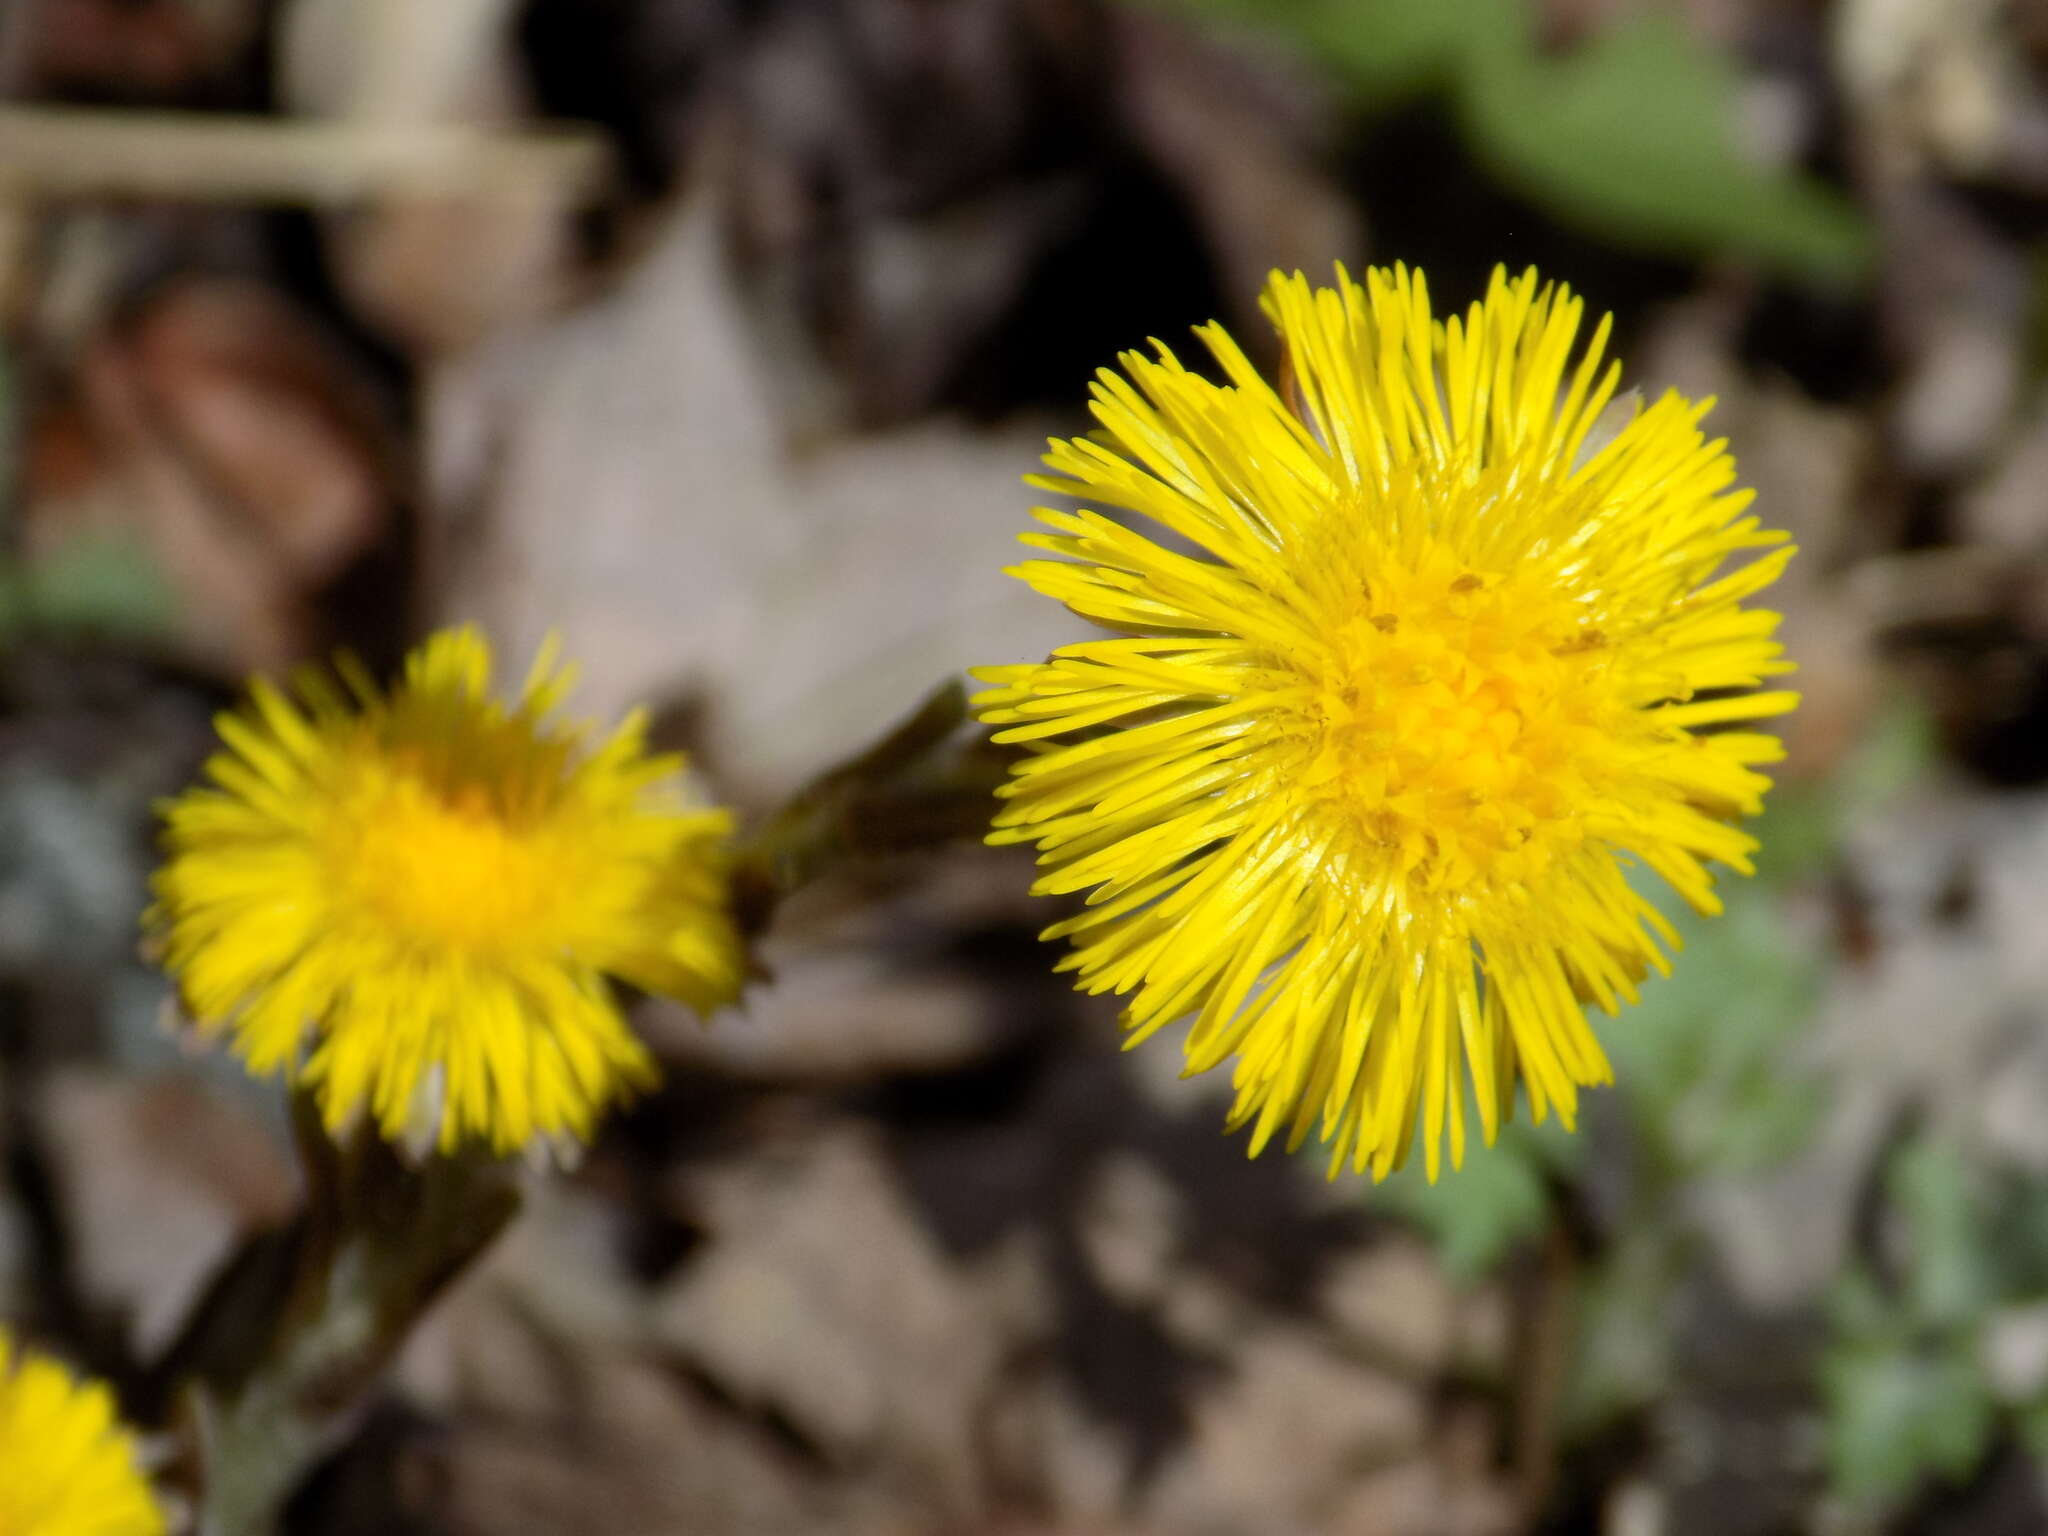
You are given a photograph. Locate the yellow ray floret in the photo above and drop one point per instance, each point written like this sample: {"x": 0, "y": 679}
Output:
{"x": 412, "y": 899}
{"x": 67, "y": 1467}
{"x": 1421, "y": 670}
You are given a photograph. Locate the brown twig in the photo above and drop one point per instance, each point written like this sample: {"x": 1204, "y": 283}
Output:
{"x": 1544, "y": 1331}
{"x": 76, "y": 152}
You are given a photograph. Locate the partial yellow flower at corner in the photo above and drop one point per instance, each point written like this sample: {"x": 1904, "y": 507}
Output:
{"x": 1356, "y": 785}
{"x": 414, "y": 900}
{"x": 67, "y": 1466}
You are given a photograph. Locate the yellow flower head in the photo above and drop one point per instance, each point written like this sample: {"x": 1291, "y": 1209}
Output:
{"x": 67, "y": 1467}
{"x": 1359, "y": 781}
{"x": 413, "y": 898}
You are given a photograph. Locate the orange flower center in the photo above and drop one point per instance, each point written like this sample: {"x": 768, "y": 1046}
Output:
{"x": 1463, "y": 724}
{"x": 448, "y": 868}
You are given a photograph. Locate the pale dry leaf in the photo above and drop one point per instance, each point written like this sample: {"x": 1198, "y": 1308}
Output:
{"x": 1281, "y": 1437}
{"x": 624, "y": 476}
{"x": 1131, "y": 1226}
{"x": 649, "y": 1458}
{"x": 821, "y": 1297}
{"x": 1393, "y": 1303}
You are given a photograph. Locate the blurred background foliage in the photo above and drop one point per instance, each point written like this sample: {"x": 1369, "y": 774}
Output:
{"x": 1636, "y": 136}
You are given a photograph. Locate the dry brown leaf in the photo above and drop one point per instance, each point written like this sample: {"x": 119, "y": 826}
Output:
{"x": 222, "y": 431}
{"x": 158, "y": 1178}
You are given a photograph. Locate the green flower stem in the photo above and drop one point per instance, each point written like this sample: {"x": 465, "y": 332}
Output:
{"x": 286, "y": 1346}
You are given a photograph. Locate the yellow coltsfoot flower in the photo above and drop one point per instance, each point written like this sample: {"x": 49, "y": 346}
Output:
{"x": 67, "y": 1466}
{"x": 1358, "y": 781}
{"x": 412, "y": 899}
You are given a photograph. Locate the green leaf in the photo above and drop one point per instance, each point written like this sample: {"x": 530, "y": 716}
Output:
{"x": 2018, "y": 1214}
{"x": 1860, "y": 1311}
{"x": 1902, "y": 1378}
{"x": 1632, "y": 134}
{"x": 2033, "y": 1430}
{"x": 1622, "y": 1354}
{"x": 1896, "y": 1415}
{"x": 1896, "y": 753}
{"x": 1385, "y": 50}
{"x": 1704, "y": 1058}
{"x": 105, "y": 585}
{"x": 1949, "y": 1266}
{"x": 1391, "y": 49}
{"x": 1799, "y": 834}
